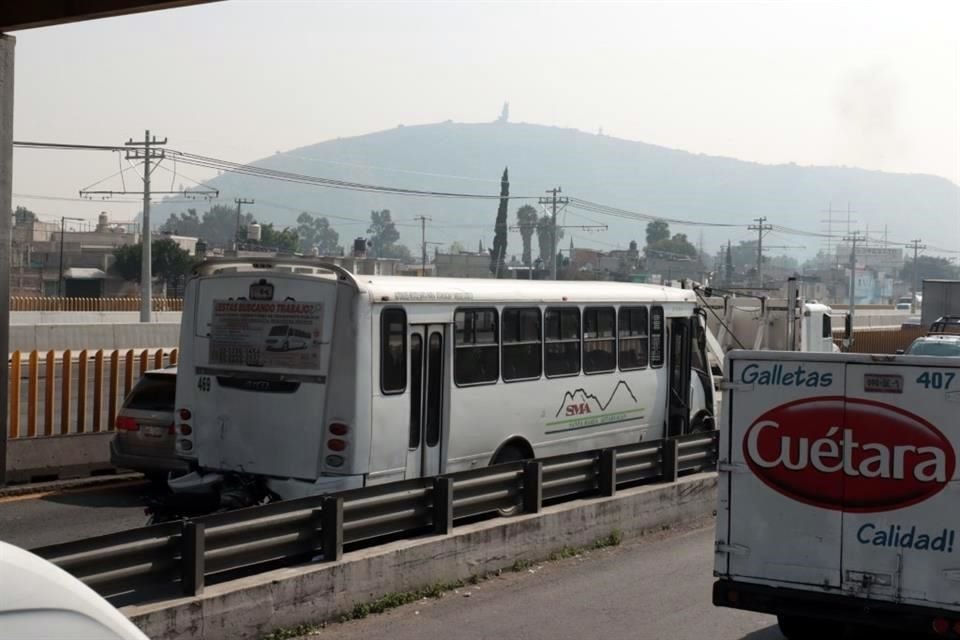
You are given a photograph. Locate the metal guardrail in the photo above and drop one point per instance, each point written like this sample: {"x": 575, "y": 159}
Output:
{"x": 177, "y": 558}
{"x": 66, "y": 392}
{"x": 38, "y": 303}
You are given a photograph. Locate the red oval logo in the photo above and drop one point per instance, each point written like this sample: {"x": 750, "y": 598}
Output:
{"x": 848, "y": 454}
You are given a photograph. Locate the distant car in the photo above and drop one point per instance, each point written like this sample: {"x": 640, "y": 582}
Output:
{"x": 903, "y": 306}
{"x": 41, "y": 600}
{"x": 145, "y": 438}
{"x": 946, "y": 324}
{"x": 935, "y": 345}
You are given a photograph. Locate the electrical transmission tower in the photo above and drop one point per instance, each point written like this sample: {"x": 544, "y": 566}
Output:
{"x": 554, "y": 202}
{"x": 917, "y": 247}
{"x": 239, "y": 202}
{"x": 760, "y": 228}
{"x": 147, "y": 151}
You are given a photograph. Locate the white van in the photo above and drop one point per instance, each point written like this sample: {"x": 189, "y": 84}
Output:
{"x": 838, "y": 491}
{"x": 392, "y": 377}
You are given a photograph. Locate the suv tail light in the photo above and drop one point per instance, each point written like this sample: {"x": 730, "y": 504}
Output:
{"x": 126, "y": 423}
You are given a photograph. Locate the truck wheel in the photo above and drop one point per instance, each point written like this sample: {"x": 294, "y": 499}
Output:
{"x": 801, "y": 628}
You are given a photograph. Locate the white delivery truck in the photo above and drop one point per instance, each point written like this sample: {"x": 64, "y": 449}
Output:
{"x": 838, "y": 492}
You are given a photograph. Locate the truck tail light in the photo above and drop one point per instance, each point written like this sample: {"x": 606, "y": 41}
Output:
{"x": 336, "y": 444}
{"x": 126, "y": 423}
{"x": 339, "y": 429}
{"x": 940, "y": 626}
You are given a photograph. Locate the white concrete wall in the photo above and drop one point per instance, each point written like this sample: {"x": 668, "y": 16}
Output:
{"x": 76, "y": 336}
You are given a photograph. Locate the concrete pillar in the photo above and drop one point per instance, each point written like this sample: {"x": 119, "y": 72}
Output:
{"x": 7, "y": 44}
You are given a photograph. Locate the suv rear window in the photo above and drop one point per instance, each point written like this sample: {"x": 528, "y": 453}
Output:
{"x": 153, "y": 393}
{"x": 934, "y": 348}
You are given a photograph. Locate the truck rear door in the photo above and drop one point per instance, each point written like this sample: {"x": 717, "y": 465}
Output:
{"x": 771, "y": 525}
{"x": 902, "y": 491}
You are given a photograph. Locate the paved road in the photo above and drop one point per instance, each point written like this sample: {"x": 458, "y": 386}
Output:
{"x": 655, "y": 589}
{"x": 36, "y": 522}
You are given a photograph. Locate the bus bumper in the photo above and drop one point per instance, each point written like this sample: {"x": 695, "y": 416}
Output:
{"x": 289, "y": 488}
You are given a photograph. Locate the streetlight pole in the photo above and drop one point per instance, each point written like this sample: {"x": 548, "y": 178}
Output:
{"x": 63, "y": 220}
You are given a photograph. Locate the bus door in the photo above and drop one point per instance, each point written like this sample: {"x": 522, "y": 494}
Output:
{"x": 678, "y": 362}
{"x": 427, "y": 344}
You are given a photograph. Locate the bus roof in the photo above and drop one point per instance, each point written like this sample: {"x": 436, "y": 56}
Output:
{"x": 412, "y": 289}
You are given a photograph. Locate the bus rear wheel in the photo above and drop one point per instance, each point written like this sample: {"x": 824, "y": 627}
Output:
{"x": 510, "y": 453}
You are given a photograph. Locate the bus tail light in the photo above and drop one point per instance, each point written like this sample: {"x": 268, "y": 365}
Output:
{"x": 335, "y": 460}
{"x": 126, "y": 423}
{"x": 185, "y": 429}
{"x": 339, "y": 429}
{"x": 941, "y": 626}
{"x": 336, "y": 444}
{"x": 185, "y": 444}
{"x": 185, "y": 414}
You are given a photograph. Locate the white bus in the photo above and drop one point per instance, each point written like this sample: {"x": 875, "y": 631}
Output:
{"x": 402, "y": 377}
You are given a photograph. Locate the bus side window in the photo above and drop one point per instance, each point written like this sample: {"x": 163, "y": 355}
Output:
{"x": 476, "y": 358}
{"x": 562, "y": 342}
{"x": 393, "y": 351}
{"x": 633, "y": 338}
{"x": 599, "y": 340}
{"x": 522, "y": 345}
{"x": 656, "y": 337}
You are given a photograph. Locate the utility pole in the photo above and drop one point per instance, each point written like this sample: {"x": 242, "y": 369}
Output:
{"x": 146, "y": 153}
{"x": 7, "y": 45}
{"x": 554, "y": 201}
{"x": 760, "y": 227}
{"x": 423, "y": 243}
{"x": 240, "y": 201}
{"x": 916, "y": 272}
{"x": 853, "y": 238}
{"x": 63, "y": 220}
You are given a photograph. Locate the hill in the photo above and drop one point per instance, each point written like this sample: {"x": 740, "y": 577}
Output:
{"x": 633, "y": 175}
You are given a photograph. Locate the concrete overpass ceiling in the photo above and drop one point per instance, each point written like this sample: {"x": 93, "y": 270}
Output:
{"x": 29, "y": 14}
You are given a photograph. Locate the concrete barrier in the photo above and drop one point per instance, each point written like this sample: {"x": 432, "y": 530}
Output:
{"x": 76, "y": 455}
{"x": 250, "y": 607}
{"x": 93, "y": 335}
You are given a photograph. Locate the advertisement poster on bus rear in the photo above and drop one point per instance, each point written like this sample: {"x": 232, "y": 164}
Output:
{"x": 267, "y": 334}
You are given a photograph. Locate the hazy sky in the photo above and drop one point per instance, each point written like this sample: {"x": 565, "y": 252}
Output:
{"x": 870, "y": 84}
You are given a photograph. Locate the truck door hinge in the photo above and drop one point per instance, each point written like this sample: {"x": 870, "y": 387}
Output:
{"x": 732, "y": 467}
{"x": 729, "y": 385}
{"x": 735, "y": 549}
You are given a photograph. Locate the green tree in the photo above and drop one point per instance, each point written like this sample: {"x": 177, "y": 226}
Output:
{"x": 317, "y": 232}
{"x": 499, "y": 253}
{"x": 928, "y": 268}
{"x": 285, "y": 240}
{"x": 169, "y": 262}
{"x": 22, "y": 215}
{"x": 217, "y": 226}
{"x": 397, "y": 252}
{"x": 527, "y": 221}
{"x": 545, "y": 239}
{"x": 657, "y": 231}
{"x": 383, "y": 233}
{"x": 677, "y": 247}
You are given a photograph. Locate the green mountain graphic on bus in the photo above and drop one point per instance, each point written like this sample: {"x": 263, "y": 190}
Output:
{"x": 580, "y": 409}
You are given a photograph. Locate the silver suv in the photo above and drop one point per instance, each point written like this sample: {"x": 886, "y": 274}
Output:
{"x": 145, "y": 438}
{"x": 935, "y": 345}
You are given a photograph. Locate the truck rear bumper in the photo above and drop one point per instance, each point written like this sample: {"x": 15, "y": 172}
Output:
{"x": 836, "y": 607}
